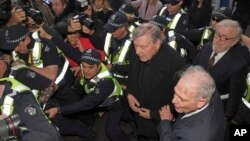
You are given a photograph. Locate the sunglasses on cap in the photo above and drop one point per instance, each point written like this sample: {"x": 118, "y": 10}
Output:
{"x": 215, "y": 19}
{"x": 172, "y": 2}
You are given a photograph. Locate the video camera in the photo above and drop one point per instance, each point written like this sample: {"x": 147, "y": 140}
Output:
{"x": 84, "y": 20}
{"x": 9, "y": 127}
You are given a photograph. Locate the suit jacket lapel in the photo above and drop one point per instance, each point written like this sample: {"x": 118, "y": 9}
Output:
{"x": 224, "y": 59}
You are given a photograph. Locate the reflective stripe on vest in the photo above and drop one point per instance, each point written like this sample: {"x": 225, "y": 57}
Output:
{"x": 106, "y": 46}
{"x": 12, "y": 73}
{"x": 131, "y": 28}
{"x": 183, "y": 52}
{"x": 34, "y": 55}
{"x": 205, "y": 35}
{"x": 35, "y": 59}
{"x": 7, "y": 107}
{"x": 247, "y": 96}
{"x": 162, "y": 10}
{"x": 63, "y": 72}
{"x": 124, "y": 51}
{"x": 172, "y": 43}
{"x": 104, "y": 74}
{"x": 246, "y": 102}
{"x": 119, "y": 58}
{"x": 14, "y": 68}
{"x": 15, "y": 56}
{"x": 173, "y": 23}
{"x": 64, "y": 68}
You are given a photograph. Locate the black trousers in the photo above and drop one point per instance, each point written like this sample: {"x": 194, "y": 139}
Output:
{"x": 72, "y": 127}
{"x": 113, "y": 129}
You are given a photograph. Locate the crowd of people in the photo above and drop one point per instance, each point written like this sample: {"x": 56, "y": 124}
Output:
{"x": 170, "y": 69}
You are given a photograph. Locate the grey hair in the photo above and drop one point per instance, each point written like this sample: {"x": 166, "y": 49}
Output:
{"x": 233, "y": 24}
{"x": 197, "y": 76}
{"x": 150, "y": 29}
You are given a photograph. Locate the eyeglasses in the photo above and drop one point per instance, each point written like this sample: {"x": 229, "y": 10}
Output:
{"x": 222, "y": 37}
{"x": 215, "y": 19}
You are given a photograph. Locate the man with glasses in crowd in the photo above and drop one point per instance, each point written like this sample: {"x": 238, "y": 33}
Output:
{"x": 203, "y": 35}
{"x": 226, "y": 64}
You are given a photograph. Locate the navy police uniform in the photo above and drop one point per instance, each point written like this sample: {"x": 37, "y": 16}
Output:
{"x": 117, "y": 51}
{"x": 38, "y": 127}
{"x": 102, "y": 92}
{"x": 175, "y": 40}
{"x": 177, "y": 21}
{"x": 205, "y": 34}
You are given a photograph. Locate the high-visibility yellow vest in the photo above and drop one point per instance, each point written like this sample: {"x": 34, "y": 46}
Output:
{"x": 205, "y": 35}
{"x": 7, "y": 107}
{"x": 119, "y": 58}
{"x": 104, "y": 73}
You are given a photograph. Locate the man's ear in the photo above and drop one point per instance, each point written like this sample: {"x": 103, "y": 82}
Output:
{"x": 157, "y": 44}
{"x": 201, "y": 102}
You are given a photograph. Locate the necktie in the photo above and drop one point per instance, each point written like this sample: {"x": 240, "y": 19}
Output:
{"x": 211, "y": 61}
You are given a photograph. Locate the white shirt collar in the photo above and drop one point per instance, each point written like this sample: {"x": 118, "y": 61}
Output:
{"x": 195, "y": 112}
{"x": 218, "y": 56}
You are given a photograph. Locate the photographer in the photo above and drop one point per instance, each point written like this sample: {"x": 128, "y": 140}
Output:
{"x": 88, "y": 24}
{"x": 16, "y": 98}
{"x": 61, "y": 11}
{"x": 21, "y": 9}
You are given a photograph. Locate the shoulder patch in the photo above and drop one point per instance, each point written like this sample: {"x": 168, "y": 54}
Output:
{"x": 47, "y": 49}
{"x": 31, "y": 110}
{"x": 97, "y": 91}
{"x": 184, "y": 21}
{"x": 31, "y": 74}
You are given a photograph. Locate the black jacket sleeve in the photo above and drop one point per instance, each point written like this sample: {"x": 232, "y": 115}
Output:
{"x": 68, "y": 50}
{"x": 98, "y": 37}
{"x": 93, "y": 99}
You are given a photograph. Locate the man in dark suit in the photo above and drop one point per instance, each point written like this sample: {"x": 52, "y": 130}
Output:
{"x": 201, "y": 111}
{"x": 228, "y": 67}
{"x": 150, "y": 81}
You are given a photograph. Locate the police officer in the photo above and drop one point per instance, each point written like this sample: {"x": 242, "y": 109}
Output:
{"x": 117, "y": 47}
{"x": 176, "y": 17}
{"x": 175, "y": 40}
{"x": 26, "y": 76}
{"x": 203, "y": 35}
{"x": 243, "y": 114}
{"x": 89, "y": 24}
{"x": 102, "y": 92}
{"x": 39, "y": 55}
{"x": 16, "y": 98}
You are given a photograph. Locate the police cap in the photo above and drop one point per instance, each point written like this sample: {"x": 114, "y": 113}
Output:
{"x": 159, "y": 21}
{"x": 13, "y": 35}
{"x": 115, "y": 21}
{"x": 128, "y": 9}
{"x": 222, "y": 13}
{"x": 91, "y": 57}
{"x": 172, "y": 2}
